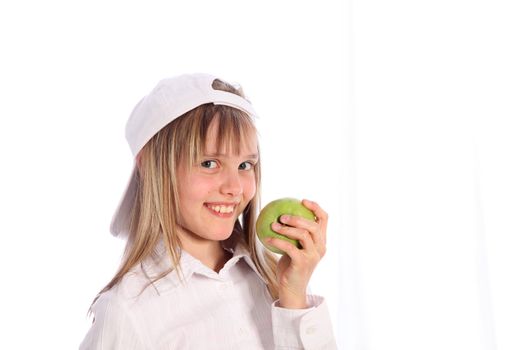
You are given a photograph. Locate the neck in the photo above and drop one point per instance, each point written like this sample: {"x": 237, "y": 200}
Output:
{"x": 210, "y": 253}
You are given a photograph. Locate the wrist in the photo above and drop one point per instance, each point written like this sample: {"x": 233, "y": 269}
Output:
{"x": 292, "y": 301}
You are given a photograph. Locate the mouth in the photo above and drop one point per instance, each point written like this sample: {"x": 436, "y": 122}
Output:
{"x": 222, "y": 210}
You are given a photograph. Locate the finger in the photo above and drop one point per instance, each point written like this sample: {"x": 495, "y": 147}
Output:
{"x": 303, "y": 236}
{"x": 291, "y": 250}
{"x": 301, "y": 223}
{"x": 320, "y": 214}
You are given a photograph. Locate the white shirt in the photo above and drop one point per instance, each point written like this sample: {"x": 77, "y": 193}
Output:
{"x": 231, "y": 309}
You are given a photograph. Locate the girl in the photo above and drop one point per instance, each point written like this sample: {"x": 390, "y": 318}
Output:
{"x": 193, "y": 275}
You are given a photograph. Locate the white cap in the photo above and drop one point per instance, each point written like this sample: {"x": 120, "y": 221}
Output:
{"x": 170, "y": 99}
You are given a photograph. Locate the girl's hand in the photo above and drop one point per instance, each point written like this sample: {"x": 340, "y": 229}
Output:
{"x": 296, "y": 266}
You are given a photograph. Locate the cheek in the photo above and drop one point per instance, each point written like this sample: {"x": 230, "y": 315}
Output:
{"x": 201, "y": 188}
{"x": 249, "y": 187}
{"x": 192, "y": 189}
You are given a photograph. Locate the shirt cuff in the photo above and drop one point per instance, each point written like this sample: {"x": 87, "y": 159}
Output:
{"x": 309, "y": 328}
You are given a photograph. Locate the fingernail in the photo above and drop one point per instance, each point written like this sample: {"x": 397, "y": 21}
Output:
{"x": 277, "y": 225}
{"x": 285, "y": 218}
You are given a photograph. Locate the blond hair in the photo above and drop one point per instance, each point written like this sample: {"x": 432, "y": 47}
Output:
{"x": 155, "y": 214}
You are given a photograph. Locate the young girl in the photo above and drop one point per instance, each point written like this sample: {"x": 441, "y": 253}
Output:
{"x": 193, "y": 275}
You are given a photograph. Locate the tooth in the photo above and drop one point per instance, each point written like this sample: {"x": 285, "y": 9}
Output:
{"x": 221, "y": 208}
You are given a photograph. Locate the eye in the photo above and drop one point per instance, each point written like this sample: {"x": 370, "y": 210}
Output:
{"x": 246, "y": 166}
{"x": 209, "y": 164}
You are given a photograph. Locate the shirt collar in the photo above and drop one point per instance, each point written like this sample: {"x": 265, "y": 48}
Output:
{"x": 160, "y": 262}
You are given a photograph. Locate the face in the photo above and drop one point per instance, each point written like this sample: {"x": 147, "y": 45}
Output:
{"x": 216, "y": 190}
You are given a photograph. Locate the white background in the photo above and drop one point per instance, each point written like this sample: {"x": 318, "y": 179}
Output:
{"x": 72, "y": 71}
{"x": 405, "y": 120}
{"x": 439, "y": 107}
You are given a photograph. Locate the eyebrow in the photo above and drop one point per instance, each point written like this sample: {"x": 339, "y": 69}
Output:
{"x": 215, "y": 154}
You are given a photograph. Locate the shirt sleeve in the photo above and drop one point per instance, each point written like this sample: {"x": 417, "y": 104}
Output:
{"x": 309, "y": 329}
{"x": 112, "y": 329}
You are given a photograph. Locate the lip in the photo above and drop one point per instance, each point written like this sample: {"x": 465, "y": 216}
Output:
{"x": 221, "y": 215}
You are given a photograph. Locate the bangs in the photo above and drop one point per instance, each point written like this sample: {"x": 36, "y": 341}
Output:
{"x": 235, "y": 130}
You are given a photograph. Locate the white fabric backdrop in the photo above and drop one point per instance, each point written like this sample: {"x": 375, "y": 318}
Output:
{"x": 72, "y": 71}
{"x": 440, "y": 163}
{"x": 404, "y": 119}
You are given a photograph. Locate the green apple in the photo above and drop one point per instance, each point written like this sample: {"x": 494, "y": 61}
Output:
{"x": 272, "y": 212}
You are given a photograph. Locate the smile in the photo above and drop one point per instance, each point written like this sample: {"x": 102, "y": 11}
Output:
{"x": 221, "y": 208}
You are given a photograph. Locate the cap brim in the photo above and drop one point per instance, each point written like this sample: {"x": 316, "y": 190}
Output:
{"x": 120, "y": 223}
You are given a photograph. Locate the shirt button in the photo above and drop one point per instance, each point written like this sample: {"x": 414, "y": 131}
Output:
{"x": 310, "y": 330}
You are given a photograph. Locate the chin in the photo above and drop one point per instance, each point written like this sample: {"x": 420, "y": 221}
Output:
{"x": 220, "y": 236}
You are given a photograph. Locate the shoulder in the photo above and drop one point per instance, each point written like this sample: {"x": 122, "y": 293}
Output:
{"x": 114, "y": 326}
{"x": 110, "y": 306}
{"x": 119, "y": 313}
{"x": 137, "y": 287}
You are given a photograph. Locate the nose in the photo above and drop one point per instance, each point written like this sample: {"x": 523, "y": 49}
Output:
{"x": 231, "y": 184}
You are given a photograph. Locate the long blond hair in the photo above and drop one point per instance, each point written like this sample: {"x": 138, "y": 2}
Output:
{"x": 155, "y": 213}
